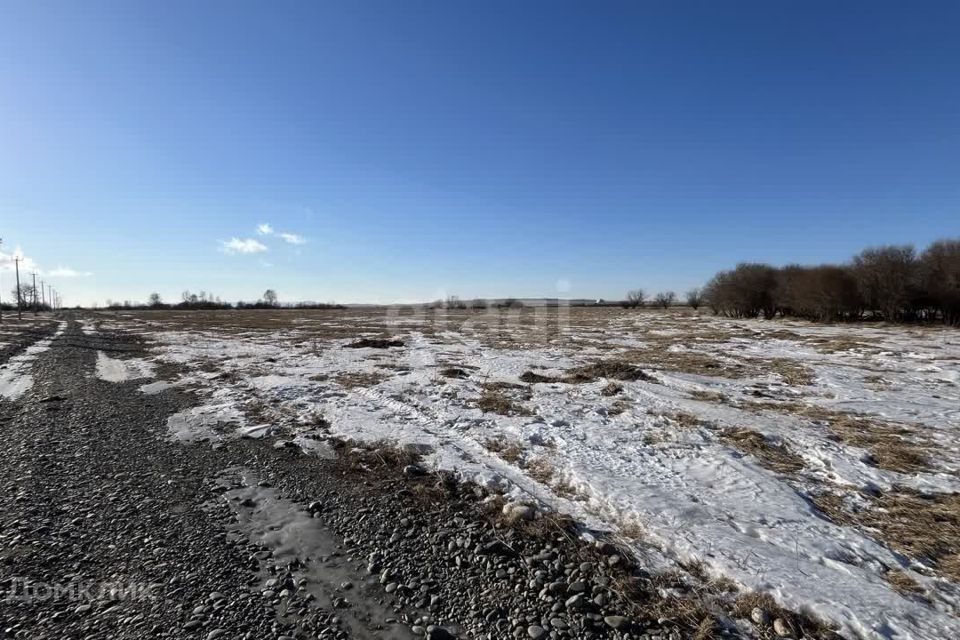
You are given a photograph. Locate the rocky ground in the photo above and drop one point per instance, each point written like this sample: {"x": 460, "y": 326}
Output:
{"x": 108, "y": 530}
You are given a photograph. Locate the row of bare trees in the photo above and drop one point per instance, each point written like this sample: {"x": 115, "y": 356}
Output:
{"x": 892, "y": 283}
{"x": 665, "y": 299}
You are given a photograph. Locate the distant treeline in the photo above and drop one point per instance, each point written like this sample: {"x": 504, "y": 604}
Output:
{"x": 891, "y": 283}
{"x": 208, "y": 301}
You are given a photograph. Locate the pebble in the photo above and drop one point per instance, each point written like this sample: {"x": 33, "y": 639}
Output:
{"x": 536, "y": 632}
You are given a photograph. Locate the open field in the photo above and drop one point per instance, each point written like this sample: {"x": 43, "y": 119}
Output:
{"x": 816, "y": 463}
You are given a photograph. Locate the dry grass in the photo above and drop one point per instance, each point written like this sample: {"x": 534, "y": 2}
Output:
{"x": 508, "y": 387}
{"x": 921, "y": 526}
{"x": 805, "y": 625}
{"x": 709, "y": 396}
{"x": 903, "y": 583}
{"x": 665, "y": 596}
{"x": 619, "y": 406}
{"x": 509, "y": 451}
{"x": 781, "y": 334}
{"x": 365, "y": 456}
{"x": 791, "y": 372}
{"x": 876, "y": 381}
{"x": 533, "y": 378}
{"x": 540, "y": 469}
{"x": 892, "y": 446}
{"x": 834, "y": 344}
{"x": 609, "y": 369}
{"x": 708, "y": 629}
{"x": 359, "y": 379}
{"x": 374, "y": 343}
{"x": 565, "y": 490}
{"x": 492, "y": 401}
{"x": 685, "y": 361}
{"x": 611, "y": 389}
{"x": 776, "y": 457}
{"x": 684, "y": 419}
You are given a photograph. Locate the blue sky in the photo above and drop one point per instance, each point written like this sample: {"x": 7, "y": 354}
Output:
{"x": 417, "y": 149}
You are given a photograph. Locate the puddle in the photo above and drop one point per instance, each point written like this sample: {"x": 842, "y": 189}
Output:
{"x": 297, "y": 539}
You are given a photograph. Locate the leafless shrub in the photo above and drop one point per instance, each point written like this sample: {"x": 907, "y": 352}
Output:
{"x": 635, "y": 298}
{"x": 939, "y": 275}
{"x": 745, "y": 292}
{"x": 665, "y": 299}
{"x": 888, "y": 282}
{"x": 884, "y": 276}
{"x": 694, "y": 299}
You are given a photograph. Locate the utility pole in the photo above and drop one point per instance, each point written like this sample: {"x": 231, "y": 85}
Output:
{"x": 1, "y": 287}
{"x": 16, "y": 265}
{"x": 43, "y": 296}
{"x": 34, "y": 291}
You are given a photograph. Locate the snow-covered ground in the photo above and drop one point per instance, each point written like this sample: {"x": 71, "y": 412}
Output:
{"x": 649, "y": 459}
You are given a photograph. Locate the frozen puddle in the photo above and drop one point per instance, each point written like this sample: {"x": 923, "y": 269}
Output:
{"x": 301, "y": 542}
{"x": 115, "y": 370}
{"x": 206, "y": 423}
{"x": 153, "y": 388}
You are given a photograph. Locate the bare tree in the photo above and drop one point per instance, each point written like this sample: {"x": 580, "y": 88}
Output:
{"x": 154, "y": 300}
{"x": 27, "y": 293}
{"x": 635, "y": 298}
{"x": 665, "y": 299}
{"x": 694, "y": 299}
{"x": 940, "y": 279}
{"x": 270, "y": 297}
{"x": 884, "y": 276}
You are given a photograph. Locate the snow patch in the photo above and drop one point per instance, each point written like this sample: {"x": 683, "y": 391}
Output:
{"x": 15, "y": 375}
{"x": 116, "y": 370}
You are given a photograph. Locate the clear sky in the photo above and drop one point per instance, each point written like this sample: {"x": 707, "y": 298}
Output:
{"x": 410, "y": 149}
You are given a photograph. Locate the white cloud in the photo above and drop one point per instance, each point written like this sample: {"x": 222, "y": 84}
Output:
{"x": 292, "y": 238}
{"x": 67, "y": 272}
{"x": 265, "y": 229}
{"x": 236, "y": 245}
{"x": 26, "y": 264}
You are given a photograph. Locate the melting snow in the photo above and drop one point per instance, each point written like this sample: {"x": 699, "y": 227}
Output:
{"x": 115, "y": 370}
{"x": 694, "y": 497}
{"x": 15, "y": 376}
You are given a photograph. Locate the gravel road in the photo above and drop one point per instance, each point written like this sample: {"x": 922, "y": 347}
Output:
{"x": 110, "y": 530}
